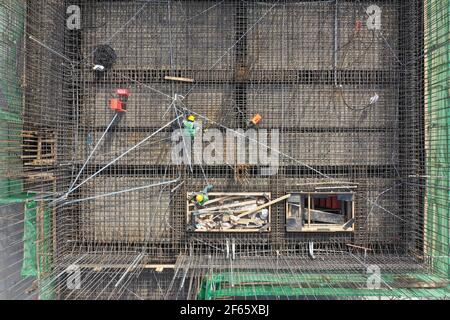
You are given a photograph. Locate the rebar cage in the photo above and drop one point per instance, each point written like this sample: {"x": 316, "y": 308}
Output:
{"x": 353, "y": 96}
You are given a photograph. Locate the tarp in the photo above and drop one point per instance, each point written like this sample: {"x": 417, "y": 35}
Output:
{"x": 11, "y": 106}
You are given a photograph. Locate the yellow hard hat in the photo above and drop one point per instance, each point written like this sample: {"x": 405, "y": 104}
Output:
{"x": 199, "y": 198}
{"x": 191, "y": 118}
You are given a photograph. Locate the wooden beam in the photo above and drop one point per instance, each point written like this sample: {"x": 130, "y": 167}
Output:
{"x": 358, "y": 247}
{"x": 97, "y": 267}
{"x": 268, "y": 204}
{"x": 226, "y": 206}
{"x": 325, "y": 228}
{"x": 309, "y": 210}
{"x": 246, "y": 194}
{"x": 247, "y": 221}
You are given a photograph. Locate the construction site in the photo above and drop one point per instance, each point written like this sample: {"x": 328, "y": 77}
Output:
{"x": 233, "y": 149}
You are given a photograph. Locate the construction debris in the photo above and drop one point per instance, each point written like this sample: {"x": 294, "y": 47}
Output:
{"x": 231, "y": 213}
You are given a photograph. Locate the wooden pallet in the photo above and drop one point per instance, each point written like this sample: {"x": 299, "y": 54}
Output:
{"x": 39, "y": 148}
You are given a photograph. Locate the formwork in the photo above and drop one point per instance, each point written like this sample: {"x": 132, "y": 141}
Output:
{"x": 347, "y": 106}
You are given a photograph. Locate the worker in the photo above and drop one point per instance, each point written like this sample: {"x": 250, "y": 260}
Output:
{"x": 190, "y": 126}
{"x": 202, "y": 197}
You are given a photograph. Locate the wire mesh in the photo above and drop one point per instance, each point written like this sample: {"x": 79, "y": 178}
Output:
{"x": 352, "y": 106}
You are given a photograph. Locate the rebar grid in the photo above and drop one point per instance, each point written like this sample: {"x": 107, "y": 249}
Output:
{"x": 310, "y": 68}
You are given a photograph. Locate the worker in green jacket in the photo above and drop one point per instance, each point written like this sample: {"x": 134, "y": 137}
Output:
{"x": 190, "y": 126}
{"x": 202, "y": 197}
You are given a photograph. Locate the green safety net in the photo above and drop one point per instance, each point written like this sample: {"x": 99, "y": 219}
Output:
{"x": 45, "y": 249}
{"x": 36, "y": 263}
{"x": 253, "y": 285}
{"x": 46, "y": 289}
{"x": 438, "y": 120}
{"x": 37, "y": 241}
{"x": 37, "y": 246}
{"x": 11, "y": 98}
{"x": 29, "y": 265}
{"x": 45, "y": 255}
{"x": 37, "y": 235}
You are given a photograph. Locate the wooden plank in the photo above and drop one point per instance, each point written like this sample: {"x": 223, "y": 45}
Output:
{"x": 227, "y": 206}
{"x": 309, "y": 210}
{"x": 179, "y": 79}
{"x": 325, "y": 228}
{"x": 325, "y": 192}
{"x": 426, "y": 227}
{"x": 268, "y": 204}
{"x": 255, "y": 194}
{"x": 358, "y": 247}
{"x": 250, "y": 230}
{"x": 322, "y": 216}
{"x": 246, "y": 221}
